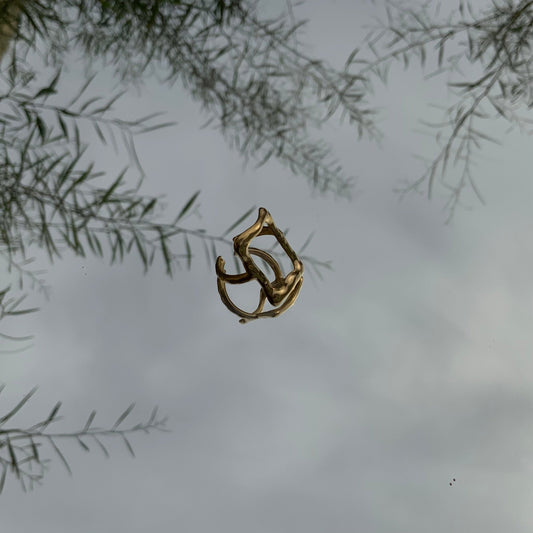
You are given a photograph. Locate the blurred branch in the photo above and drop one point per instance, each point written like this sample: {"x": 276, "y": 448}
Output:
{"x": 23, "y": 452}
{"x": 246, "y": 71}
{"x": 495, "y": 43}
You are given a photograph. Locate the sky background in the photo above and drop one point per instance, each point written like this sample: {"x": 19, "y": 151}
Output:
{"x": 408, "y": 365}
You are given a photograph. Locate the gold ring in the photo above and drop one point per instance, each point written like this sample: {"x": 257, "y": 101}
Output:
{"x": 282, "y": 292}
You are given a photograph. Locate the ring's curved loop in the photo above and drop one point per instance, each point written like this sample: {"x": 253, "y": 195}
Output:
{"x": 246, "y": 276}
{"x": 278, "y": 292}
{"x": 224, "y": 278}
{"x": 282, "y": 292}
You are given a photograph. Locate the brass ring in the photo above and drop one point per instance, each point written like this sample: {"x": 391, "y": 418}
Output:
{"x": 282, "y": 292}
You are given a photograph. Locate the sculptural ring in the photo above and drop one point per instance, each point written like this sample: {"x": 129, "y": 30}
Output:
{"x": 280, "y": 293}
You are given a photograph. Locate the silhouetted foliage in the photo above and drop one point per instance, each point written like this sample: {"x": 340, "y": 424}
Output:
{"x": 23, "y": 452}
{"x": 247, "y": 73}
{"x": 486, "y": 54}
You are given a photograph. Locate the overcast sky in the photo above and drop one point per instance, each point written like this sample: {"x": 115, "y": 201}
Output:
{"x": 408, "y": 365}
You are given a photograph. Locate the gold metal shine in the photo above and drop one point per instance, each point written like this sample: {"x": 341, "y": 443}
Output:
{"x": 282, "y": 292}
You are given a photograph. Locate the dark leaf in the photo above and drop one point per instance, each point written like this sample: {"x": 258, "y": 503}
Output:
{"x": 186, "y": 207}
{"x": 60, "y": 455}
{"x": 121, "y": 418}
{"x": 82, "y": 444}
{"x": 17, "y": 407}
{"x": 89, "y": 421}
{"x": 239, "y": 220}
{"x": 102, "y": 447}
{"x": 307, "y": 241}
{"x": 12, "y": 457}
{"x": 188, "y": 250}
{"x": 3, "y": 478}
{"x": 128, "y": 445}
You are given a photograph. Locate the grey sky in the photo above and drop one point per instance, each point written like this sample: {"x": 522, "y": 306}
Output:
{"x": 408, "y": 365}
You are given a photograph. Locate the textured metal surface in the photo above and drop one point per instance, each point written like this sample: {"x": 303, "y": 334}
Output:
{"x": 282, "y": 292}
